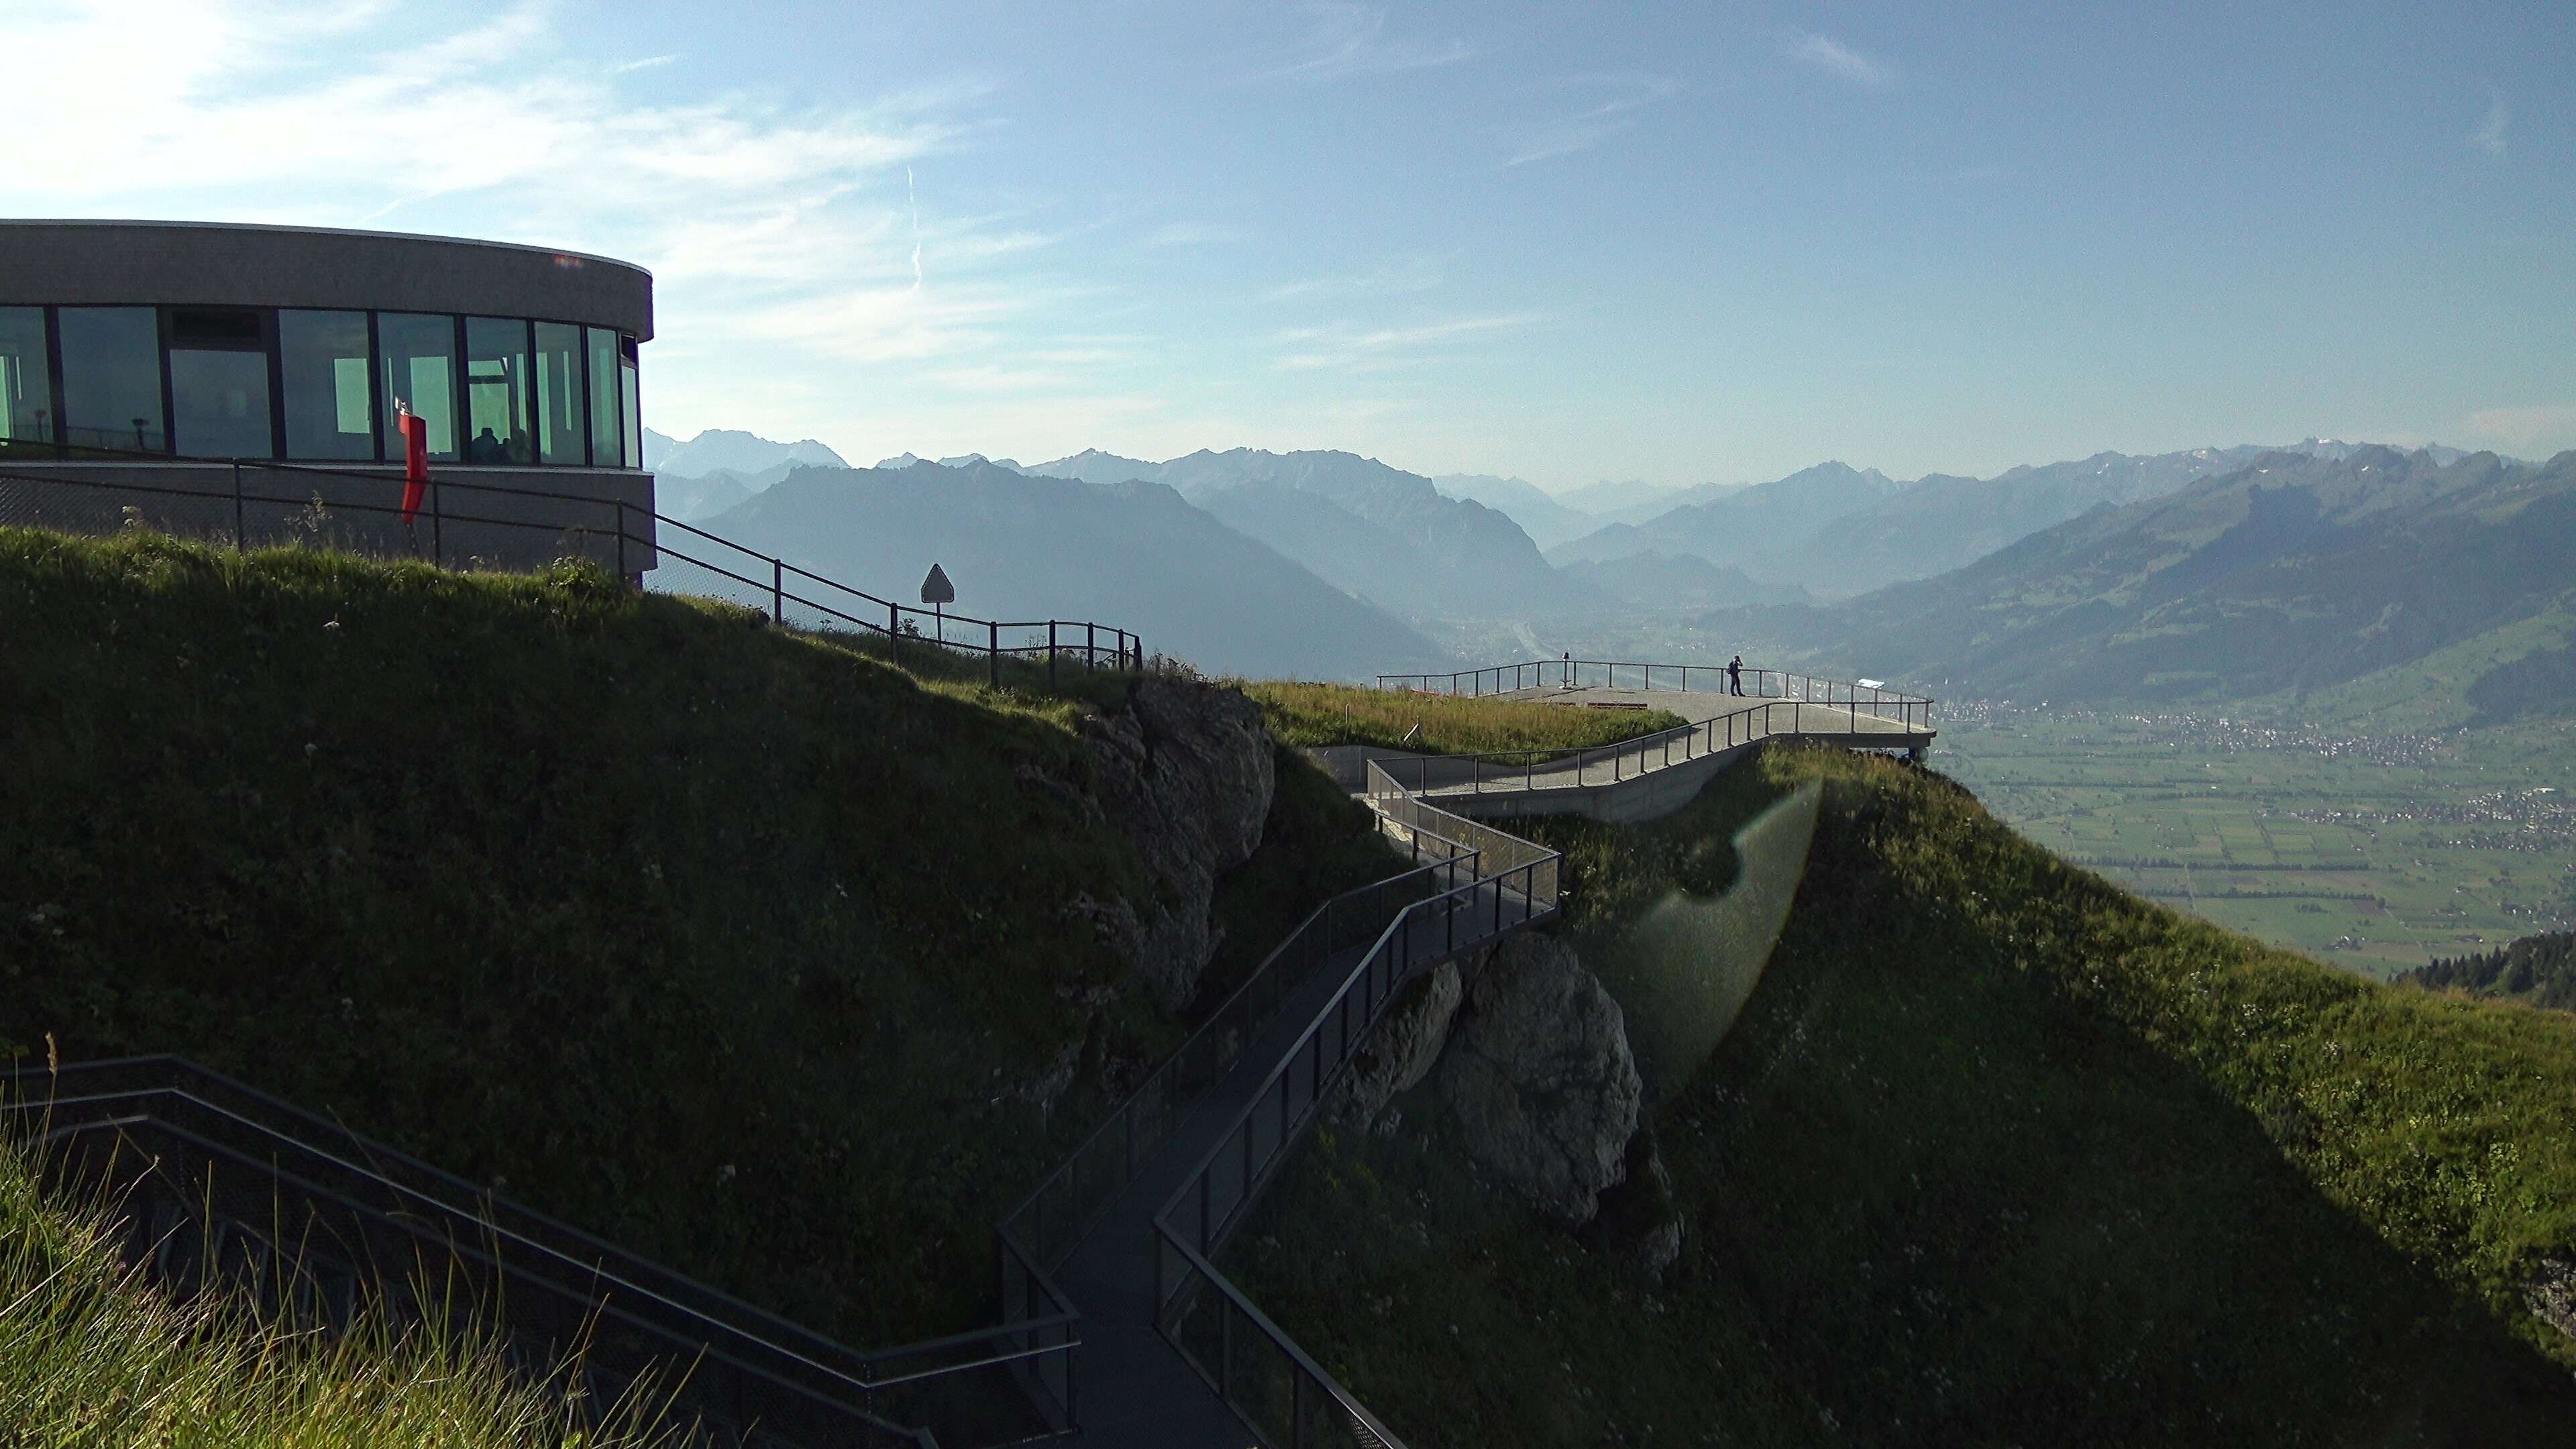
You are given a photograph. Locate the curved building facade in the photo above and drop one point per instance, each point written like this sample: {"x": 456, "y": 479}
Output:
{"x": 156, "y": 355}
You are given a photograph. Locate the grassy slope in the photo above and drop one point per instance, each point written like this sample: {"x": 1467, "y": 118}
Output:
{"x": 1341, "y": 714}
{"x": 92, "y": 1355}
{"x": 730, "y": 945}
{"x": 1996, "y": 1155}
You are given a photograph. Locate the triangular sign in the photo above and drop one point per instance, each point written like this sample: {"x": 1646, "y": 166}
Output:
{"x": 936, "y": 589}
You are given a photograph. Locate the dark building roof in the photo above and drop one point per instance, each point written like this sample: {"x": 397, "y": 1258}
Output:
{"x": 109, "y": 263}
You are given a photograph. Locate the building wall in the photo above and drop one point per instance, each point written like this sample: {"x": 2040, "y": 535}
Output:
{"x": 498, "y": 518}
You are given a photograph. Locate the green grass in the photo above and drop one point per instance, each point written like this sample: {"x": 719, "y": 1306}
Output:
{"x": 731, "y": 945}
{"x": 1996, "y": 1154}
{"x": 1340, "y": 714}
{"x": 92, "y": 1354}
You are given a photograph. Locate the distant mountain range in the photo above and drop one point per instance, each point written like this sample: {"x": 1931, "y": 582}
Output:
{"x": 1840, "y": 532}
{"x": 2080, "y": 579}
{"x": 1024, "y": 545}
{"x": 722, "y": 468}
{"x": 1540, "y": 514}
{"x": 1665, "y": 580}
{"x": 1375, "y": 532}
{"x": 1746, "y": 528}
{"x": 2296, "y": 571}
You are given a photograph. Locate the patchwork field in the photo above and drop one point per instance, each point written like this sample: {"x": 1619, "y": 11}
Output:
{"x": 2373, "y": 851}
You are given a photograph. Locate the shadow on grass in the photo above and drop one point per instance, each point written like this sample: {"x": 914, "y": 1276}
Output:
{"x": 1942, "y": 1188}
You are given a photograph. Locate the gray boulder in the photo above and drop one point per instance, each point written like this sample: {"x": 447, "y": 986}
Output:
{"x": 1539, "y": 1073}
{"x": 1185, "y": 770}
{"x": 1403, "y": 1047}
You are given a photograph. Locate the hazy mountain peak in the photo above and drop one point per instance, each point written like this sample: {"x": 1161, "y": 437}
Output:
{"x": 731, "y": 450}
{"x": 1093, "y": 465}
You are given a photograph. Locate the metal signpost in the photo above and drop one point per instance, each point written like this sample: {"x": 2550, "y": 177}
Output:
{"x": 936, "y": 591}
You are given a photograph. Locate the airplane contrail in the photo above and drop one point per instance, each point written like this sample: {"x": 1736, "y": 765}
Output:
{"x": 910, "y": 196}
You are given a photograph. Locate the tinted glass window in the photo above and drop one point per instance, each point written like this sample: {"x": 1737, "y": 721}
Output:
{"x": 26, "y": 383}
{"x": 112, "y": 378}
{"x": 496, "y": 391}
{"x": 562, "y": 423}
{"x": 419, "y": 351}
{"x": 330, "y": 404}
{"x": 607, "y": 437}
{"x": 219, "y": 383}
{"x": 633, "y": 414}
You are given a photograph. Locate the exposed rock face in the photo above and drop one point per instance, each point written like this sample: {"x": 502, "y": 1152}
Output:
{"x": 1186, "y": 771}
{"x": 1402, "y": 1049}
{"x": 1538, "y": 1071}
{"x": 1640, "y": 1219}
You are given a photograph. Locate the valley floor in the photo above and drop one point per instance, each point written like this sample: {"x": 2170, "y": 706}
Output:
{"x": 2374, "y": 849}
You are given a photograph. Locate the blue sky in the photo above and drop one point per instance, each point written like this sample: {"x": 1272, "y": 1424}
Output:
{"x": 1680, "y": 242}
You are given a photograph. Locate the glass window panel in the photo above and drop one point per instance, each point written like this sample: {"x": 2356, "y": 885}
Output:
{"x": 633, "y": 414}
{"x": 220, "y": 403}
{"x": 419, "y": 351}
{"x": 562, "y": 425}
{"x": 219, "y": 383}
{"x": 496, "y": 390}
{"x": 330, "y": 406}
{"x": 607, "y": 437}
{"x": 112, "y": 378}
{"x": 26, "y": 383}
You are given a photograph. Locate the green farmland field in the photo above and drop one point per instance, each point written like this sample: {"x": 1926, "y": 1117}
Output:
{"x": 2373, "y": 851}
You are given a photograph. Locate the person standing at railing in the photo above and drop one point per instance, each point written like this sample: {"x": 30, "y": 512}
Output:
{"x": 1735, "y": 675}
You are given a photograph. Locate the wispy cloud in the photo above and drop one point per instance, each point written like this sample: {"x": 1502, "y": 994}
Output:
{"x": 1347, "y": 39}
{"x": 762, "y": 221}
{"x": 2489, "y": 136}
{"x": 647, "y": 63}
{"x": 2547, "y": 425}
{"x": 1840, "y": 60}
{"x": 1397, "y": 278}
{"x": 1348, "y": 345}
{"x": 1193, "y": 234}
{"x": 1589, "y": 127}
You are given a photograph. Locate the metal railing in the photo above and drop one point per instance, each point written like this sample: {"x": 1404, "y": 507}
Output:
{"x": 1254, "y": 1365}
{"x": 1895, "y": 704}
{"x": 212, "y": 1178}
{"x": 1494, "y": 771}
{"x": 1500, "y": 851}
{"x": 1056, "y": 1214}
{"x": 457, "y": 517}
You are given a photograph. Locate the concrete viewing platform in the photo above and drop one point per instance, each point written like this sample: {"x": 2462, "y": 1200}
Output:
{"x": 1638, "y": 779}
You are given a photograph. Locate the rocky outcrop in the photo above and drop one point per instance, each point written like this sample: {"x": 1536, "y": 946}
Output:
{"x": 1539, "y": 1074}
{"x": 1641, "y": 1218}
{"x": 1402, "y": 1049}
{"x": 1186, "y": 771}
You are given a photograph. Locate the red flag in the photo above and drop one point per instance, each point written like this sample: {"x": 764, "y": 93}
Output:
{"x": 415, "y": 432}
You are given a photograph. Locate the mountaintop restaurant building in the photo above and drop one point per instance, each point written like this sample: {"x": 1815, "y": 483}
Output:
{"x": 141, "y": 361}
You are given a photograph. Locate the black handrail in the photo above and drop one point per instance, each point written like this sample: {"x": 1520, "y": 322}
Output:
{"x": 215, "y": 1121}
{"x": 1296, "y": 1088}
